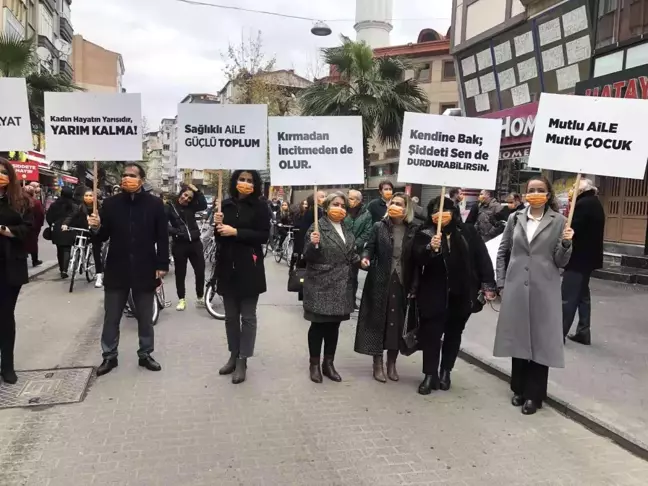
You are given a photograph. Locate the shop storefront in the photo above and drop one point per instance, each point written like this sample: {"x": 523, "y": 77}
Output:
{"x": 625, "y": 200}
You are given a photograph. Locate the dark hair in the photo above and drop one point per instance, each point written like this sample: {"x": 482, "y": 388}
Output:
{"x": 515, "y": 196}
{"x": 454, "y": 192}
{"x": 67, "y": 193}
{"x": 488, "y": 191}
{"x": 385, "y": 183}
{"x": 140, "y": 169}
{"x": 255, "y": 177}
{"x": 18, "y": 200}
{"x": 552, "y": 202}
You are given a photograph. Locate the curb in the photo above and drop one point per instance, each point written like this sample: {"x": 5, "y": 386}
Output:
{"x": 41, "y": 270}
{"x": 595, "y": 424}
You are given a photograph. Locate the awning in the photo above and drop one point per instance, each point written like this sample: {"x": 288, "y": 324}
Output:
{"x": 69, "y": 179}
{"x": 38, "y": 158}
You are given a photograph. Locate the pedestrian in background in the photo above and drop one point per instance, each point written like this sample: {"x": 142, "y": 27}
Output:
{"x": 451, "y": 271}
{"x": 529, "y": 328}
{"x": 138, "y": 257}
{"x": 242, "y": 228}
{"x": 587, "y": 255}
{"x": 513, "y": 203}
{"x": 378, "y": 207}
{"x": 330, "y": 254}
{"x": 15, "y": 225}
{"x": 186, "y": 245}
{"x": 31, "y": 244}
{"x": 388, "y": 255}
{"x": 456, "y": 195}
{"x": 419, "y": 212}
{"x": 58, "y": 212}
{"x": 358, "y": 221}
{"x": 486, "y": 219}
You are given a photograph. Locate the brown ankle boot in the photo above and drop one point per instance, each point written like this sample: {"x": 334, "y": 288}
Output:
{"x": 328, "y": 369}
{"x": 392, "y": 374}
{"x": 315, "y": 370}
{"x": 379, "y": 369}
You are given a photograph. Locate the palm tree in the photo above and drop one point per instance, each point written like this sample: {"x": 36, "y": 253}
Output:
{"x": 372, "y": 87}
{"x": 18, "y": 60}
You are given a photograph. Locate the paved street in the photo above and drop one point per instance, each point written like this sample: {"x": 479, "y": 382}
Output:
{"x": 188, "y": 426}
{"x": 46, "y": 253}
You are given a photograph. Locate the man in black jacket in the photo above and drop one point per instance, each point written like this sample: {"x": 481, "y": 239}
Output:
{"x": 136, "y": 224}
{"x": 587, "y": 255}
{"x": 378, "y": 207}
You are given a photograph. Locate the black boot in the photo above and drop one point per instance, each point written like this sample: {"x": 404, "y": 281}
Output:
{"x": 379, "y": 369}
{"x": 230, "y": 366}
{"x": 328, "y": 369}
{"x": 580, "y": 339}
{"x": 149, "y": 363}
{"x": 392, "y": 374}
{"x": 429, "y": 383}
{"x": 444, "y": 380}
{"x": 9, "y": 376}
{"x": 240, "y": 371}
{"x": 530, "y": 407}
{"x": 517, "y": 400}
{"x": 107, "y": 366}
{"x": 315, "y": 370}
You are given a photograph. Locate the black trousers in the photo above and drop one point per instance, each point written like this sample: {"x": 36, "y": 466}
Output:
{"x": 96, "y": 255}
{"x": 114, "y": 304}
{"x": 326, "y": 332}
{"x": 63, "y": 257}
{"x": 8, "y": 299}
{"x": 576, "y": 296}
{"x": 450, "y": 327}
{"x": 529, "y": 379}
{"x": 192, "y": 252}
{"x": 34, "y": 256}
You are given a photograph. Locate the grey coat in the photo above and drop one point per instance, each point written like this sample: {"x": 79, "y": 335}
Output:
{"x": 328, "y": 286}
{"x": 530, "y": 319}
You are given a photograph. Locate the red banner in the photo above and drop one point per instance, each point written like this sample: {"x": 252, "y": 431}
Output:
{"x": 26, "y": 171}
{"x": 70, "y": 179}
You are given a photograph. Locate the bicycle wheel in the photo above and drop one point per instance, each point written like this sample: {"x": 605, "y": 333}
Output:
{"x": 214, "y": 302}
{"x": 289, "y": 251}
{"x": 156, "y": 311}
{"x": 278, "y": 253}
{"x": 160, "y": 297}
{"x": 73, "y": 267}
{"x": 90, "y": 269}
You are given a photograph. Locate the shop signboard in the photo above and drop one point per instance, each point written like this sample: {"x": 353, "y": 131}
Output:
{"x": 629, "y": 83}
{"x": 517, "y": 123}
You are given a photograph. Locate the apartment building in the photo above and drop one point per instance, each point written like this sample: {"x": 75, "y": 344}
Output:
{"x": 96, "y": 68}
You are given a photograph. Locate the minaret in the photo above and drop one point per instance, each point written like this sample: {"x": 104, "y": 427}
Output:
{"x": 373, "y": 22}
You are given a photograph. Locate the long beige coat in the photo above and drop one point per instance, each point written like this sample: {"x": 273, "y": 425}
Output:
{"x": 530, "y": 319}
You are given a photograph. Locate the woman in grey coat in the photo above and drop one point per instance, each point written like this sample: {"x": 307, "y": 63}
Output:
{"x": 330, "y": 256}
{"x": 529, "y": 328}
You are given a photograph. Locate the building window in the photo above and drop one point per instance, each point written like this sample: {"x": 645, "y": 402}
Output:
{"x": 46, "y": 25}
{"x": 637, "y": 56}
{"x": 165, "y": 147}
{"x": 446, "y": 106}
{"x": 609, "y": 64}
{"x": 424, "y": 72}
{"x": 448, "y": 71}
{"x": 607, "y": 6}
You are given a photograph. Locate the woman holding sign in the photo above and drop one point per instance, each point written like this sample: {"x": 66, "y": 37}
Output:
{"x": 330, "y": 256}
{"x": 537, "y": 244}
{"x": 388, "y": 254}
{"x": 455, "y": 277}
{"x": 242, "y": 226}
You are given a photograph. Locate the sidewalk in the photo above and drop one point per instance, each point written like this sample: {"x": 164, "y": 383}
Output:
{"x": 47, "y": 254}
{"x": 606, "y": 383}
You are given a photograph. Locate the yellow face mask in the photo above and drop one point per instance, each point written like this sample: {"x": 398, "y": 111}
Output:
{"x": 446, "y": 217}
{"x": 395, "y": 211}
{"x": 88, "y": 199}
{"x": 536, "y": 200}
{"x": 387, "y": 194}
{"x": 336, "y": 214}
{"x": 353, "y": 203}
{"x": 4, "y": 180}
{"x": 245, "y": 188}
{"x": 482, "y": 198}
{"x": 130, "y": 184}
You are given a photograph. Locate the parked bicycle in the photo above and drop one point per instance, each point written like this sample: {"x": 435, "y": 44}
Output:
{"x": 286, "y": 249}
{"x": 159, "y": 303}
{"x": 213, "y": 301}
{"x": 81, "y": 259}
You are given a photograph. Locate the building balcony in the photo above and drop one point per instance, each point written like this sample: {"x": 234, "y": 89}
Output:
{"x": 65, "y": 69}
{"x": 50, "y": 4}
{"x": 44, "y": 41}
{"x": 67, "y": 32}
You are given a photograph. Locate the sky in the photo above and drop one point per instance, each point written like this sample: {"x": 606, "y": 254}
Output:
{"x": 171, "y": 48}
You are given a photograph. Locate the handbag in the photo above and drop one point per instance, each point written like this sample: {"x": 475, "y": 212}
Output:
{"x": 296, "y": 278}
{"x": 409, "y": 341}
{"x": 47, "y": 233}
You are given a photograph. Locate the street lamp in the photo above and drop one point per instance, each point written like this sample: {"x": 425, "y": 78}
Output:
{"x": 320, "y": 29}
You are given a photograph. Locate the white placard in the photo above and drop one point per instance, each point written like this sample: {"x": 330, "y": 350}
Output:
{"x": 578, "y": 50}
{"x": 484, "y": 59}
{"x": 520, "y": 94}
{"x": 523, "y": 44}
{"x": 549, "y": 32}
{"x": 93, "y": 126}
{"x": 449, "y": 151}
{"x": 215, "y": 136}
{"x": 583, "y": 134}
{"x": 482, "y": 103}
{"x": 527, "y": 70}
{"x": 15, "y": 124}
{"x": 575, "y": 21}
{"x": 316, "y": 150}
{"x": 567, "y": 77}
{"x": 468, "y": 66}
{"x": 503, "y": 52}
{"x": 487, "y": 82}
{"x": 471, "y": 88}
{"x": 553, "y": 58}
{"x": 506, "y": 79}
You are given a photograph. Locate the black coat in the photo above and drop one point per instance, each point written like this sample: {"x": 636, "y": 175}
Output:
{"x": 377, "y": 208}
{"x": 62, "y": 209}
{"x": 137, "y": 228}
{"x": 589, "y": 230}
{"x": 432, "y": 288}
{"x": 373, "y": 308}
{"x": 182, "y": 219}
{"x": 241, "y": 270}
{"x": 302, "y": 225}
{"x": 13, "y": 253}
